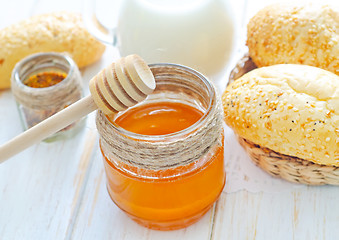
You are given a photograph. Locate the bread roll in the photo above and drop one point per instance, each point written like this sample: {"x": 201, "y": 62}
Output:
{"x": 52, "y": 32}
{"x": 291, "y": 109}
{"x": 296, "y": 34}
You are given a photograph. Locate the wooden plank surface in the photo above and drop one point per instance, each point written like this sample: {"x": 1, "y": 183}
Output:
{"x": 308, "y": 213}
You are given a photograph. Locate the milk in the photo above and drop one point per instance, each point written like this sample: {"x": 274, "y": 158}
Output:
{"x": 195, "y": 33}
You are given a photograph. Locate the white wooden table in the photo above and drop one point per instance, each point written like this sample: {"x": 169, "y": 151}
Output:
{"x": 58, "y": 191}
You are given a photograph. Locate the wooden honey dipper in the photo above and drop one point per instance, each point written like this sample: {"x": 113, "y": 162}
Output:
{"x": 117, "y": 87}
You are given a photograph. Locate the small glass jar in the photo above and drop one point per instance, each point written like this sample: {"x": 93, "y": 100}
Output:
{"x": 170, "y": 181}
{"x": 38, "y": 103}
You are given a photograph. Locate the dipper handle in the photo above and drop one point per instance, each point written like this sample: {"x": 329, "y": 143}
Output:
{"x": 117, "y": 87}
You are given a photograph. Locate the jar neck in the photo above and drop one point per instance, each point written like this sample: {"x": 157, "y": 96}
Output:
{"x": 55, "y": 96}
{"x": 174, "y": 83}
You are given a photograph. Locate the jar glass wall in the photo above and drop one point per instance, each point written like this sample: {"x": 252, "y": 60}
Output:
{"x": 167, "y": 181}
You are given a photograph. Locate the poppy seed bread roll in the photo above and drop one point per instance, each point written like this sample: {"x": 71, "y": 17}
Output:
{"x": 288, "y": 108}
{"x": 50, "y": 32}
{"x": 295, "y": 34}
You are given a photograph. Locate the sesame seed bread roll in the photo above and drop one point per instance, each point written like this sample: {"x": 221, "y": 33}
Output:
{"x": 51, "y": 32}
{"x": 291, "y": 109}
{"x": 296, "y": 34}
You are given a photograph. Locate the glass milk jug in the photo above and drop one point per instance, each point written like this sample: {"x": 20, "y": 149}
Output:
{"x": 195, "y": 33}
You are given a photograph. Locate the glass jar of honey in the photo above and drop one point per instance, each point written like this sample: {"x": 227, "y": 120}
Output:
{"x": 164, "y": 157}
{"x": 44, "y": 84}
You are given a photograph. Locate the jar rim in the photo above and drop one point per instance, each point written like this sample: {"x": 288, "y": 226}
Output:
{"x": 70, "y": 64}
{"x": 212, "y": 105}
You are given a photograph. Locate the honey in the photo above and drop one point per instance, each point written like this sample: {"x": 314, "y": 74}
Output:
{"x": 159, "y": 118}
{"x": 164, "y": 158}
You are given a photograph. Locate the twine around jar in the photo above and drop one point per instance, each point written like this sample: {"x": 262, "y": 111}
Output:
{"x": 164, "y": 151}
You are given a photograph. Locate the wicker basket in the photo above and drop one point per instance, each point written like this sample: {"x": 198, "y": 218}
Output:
{"x": 290, "y": 168}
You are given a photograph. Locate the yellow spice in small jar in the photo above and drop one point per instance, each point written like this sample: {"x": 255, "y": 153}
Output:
{"x": 45, "y": 79}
